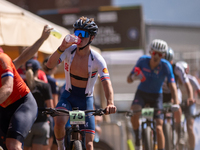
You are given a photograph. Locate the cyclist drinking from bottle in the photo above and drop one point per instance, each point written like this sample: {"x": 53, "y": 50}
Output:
{"x": 152, "y": 70}
{"x": 82, "y": 66}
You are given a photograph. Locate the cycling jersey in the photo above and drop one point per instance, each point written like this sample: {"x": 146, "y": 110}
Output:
{"x": 20, "y": 89}
{"x": 155, "y": 77}
{"x": 180, "y": 74}
{"x": 96, "y": 64}
{"x": 194, "y": 82}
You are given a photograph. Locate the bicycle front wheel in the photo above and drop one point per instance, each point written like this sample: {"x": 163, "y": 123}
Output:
{"x": 77, "y": 145}
{"x": 168, "y": 135}
{"x": 147, "y": 138}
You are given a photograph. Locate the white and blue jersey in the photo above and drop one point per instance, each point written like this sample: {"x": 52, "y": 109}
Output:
{"x": 154, "y": 78}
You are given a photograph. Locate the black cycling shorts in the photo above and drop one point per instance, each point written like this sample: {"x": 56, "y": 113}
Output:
{"x": 17, "y": 119}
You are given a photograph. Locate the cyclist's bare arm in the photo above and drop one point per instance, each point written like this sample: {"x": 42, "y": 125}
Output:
{"x": 174, "y": 92}
{"x": 108, "y": 90}
{"x": 129, "y": 79}
{"x": 30, "y": 51}
{"x": 6, "y": 88}
{"x": 190, "y": 93}
{"x": 53, "y": 60}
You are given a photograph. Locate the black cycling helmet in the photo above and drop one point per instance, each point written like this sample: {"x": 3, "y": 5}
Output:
{"x": 86, "y": 24}
{"x": 169, "y": 55}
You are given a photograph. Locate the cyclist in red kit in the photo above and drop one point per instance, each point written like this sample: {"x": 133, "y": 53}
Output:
{"x": 18, "y": 108}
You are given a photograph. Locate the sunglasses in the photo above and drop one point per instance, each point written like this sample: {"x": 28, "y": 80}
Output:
{"x": 159, "y": 54}
{"x": 84, "y": 34}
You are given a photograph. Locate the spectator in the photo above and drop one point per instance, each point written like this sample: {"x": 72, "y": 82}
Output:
{"x": 39, "y": 134}
{"x": 55, "y": 90}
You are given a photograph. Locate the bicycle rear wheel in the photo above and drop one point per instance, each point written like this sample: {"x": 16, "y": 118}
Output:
{"x": 77, "y": 145}
{"x": 147, "y": 138}
{"x": 168, "y": 136}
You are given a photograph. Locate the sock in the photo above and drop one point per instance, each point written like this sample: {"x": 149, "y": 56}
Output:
{"x": 61, "y": 143}
{"x": 137, "y": 137}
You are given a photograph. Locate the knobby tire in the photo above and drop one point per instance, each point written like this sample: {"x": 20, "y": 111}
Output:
{"x": 77, "y": 145}
{"x": 168, "y": 136}
{"x": 147, "y": 138}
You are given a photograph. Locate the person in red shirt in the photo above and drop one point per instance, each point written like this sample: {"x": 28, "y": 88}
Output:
{"x": 18, "y": 108}
{"x": 41, "y": 74}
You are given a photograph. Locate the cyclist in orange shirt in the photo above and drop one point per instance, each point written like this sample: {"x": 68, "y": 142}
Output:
{"x": 18, "y": 108}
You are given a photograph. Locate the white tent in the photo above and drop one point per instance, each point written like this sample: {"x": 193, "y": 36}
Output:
{"x": 19, "y": 27}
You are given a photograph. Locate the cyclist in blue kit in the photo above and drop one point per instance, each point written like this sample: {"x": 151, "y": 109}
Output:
{"x": 152, "y": 70}
{"x": 82, "y": 66}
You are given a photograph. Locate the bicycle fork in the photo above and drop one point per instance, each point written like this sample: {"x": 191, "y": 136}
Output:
{"x": 72, "y": 134}
{"x": 149, "y": 123}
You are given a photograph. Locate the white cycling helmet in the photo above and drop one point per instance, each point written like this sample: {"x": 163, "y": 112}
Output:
{"x": 183, "y": 64}
{"x": 159, "y": 46}
{"x": 169, "y": 54}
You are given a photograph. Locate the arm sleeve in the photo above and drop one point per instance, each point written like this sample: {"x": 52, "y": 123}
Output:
{"x": 194, "y": 82}
{"x": 6, "y": 66}
{"x": 180, "y": 72}
{"x": 102, "y": 69}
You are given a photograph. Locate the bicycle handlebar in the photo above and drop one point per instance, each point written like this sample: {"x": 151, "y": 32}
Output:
{"x": 58, "y": 112}
{"x": 130, "y": 113}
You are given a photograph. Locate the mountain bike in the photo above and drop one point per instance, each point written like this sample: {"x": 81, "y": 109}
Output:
{"x": 148, "y": 126}
{"x": 77, "y": 118}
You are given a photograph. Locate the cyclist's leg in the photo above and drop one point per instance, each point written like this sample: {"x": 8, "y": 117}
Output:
{"x": 89, "y": 141}
{"x": 190, "y": 111}
{"x": 158, "y": 103}
{"x": 10, "y": 143}
{"x": 177, "y": 116}
{"x": 21, "y": 121}
{"x": 60, "y": 121}
{"x": 137, "y": 104}
{"x": 160, "y": 134}
{"x": 89, "y": 127}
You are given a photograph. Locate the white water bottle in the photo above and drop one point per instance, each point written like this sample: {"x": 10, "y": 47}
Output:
{"x": 72, "y": 39}
{"x": 55, "y": 32}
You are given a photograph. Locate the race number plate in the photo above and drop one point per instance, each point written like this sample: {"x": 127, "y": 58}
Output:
{"x": 148, "y": 113}
{"x": 167, "y": 105}
{"x": 77, "y": 117}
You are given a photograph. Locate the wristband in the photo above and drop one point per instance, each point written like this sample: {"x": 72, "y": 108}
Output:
{"x": 59, "y": 51}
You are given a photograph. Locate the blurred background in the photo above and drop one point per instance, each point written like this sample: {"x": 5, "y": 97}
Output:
{"x": 126, "y": 28}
